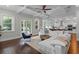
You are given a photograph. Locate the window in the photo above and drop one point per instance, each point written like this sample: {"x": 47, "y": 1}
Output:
{"x": 47, "y": 24}
{"x": 26, "y": 25}
{"x": 7, "y": 23}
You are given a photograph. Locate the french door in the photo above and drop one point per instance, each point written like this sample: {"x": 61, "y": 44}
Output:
{"x": 26, "y": 25}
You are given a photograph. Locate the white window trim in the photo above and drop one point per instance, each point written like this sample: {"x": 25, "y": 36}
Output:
{"x": 12, "y": 29}
{"x": 27, "y": 20}
{"x": 44, "y": 23}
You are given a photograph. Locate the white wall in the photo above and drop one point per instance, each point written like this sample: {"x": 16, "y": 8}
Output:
{"x": 17, "y": 27}
{"x": 12, "y": 34}
{"x": 18, "y": 18}
{"x": 77, "y": 31}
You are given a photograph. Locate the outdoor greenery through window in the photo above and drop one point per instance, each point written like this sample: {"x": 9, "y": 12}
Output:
{"x": 7, "y": 23}
{"x": 26, "y": 25}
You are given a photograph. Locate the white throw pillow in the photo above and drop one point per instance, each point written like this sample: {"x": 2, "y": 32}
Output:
{"x": 45, "y": 47}
{"x": 60, "y": 41}
{"x": 53, "y": 34}
{"x": 59, "y": 33}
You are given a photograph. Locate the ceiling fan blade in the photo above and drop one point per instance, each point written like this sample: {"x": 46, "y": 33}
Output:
{"x": 44, "y": 6}
{"x": 47, "y": 9}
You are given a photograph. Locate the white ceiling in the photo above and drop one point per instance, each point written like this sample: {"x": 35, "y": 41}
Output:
{"x": 57, "y": 10}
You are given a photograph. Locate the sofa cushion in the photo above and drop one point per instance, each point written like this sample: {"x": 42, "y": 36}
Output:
{"x": 45, "y": 47}
{"x": 53, "y": 34}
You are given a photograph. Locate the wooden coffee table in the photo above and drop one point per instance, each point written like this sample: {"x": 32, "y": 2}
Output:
{"x": 44, "y": 37}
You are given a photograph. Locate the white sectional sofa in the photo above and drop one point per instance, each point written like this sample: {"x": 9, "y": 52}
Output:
{"x": 56, "y": 44}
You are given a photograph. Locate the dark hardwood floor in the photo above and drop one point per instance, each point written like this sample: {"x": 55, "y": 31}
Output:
{"x": 13, "y": 47}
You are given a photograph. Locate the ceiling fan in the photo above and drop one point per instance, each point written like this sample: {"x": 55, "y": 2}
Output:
{"x": 45, "y": 9}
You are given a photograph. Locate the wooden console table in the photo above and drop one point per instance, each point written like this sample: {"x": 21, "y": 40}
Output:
{"x": 58, "y": 30}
